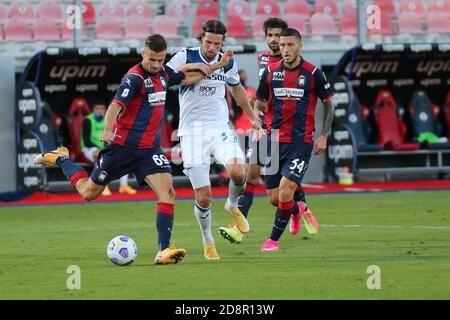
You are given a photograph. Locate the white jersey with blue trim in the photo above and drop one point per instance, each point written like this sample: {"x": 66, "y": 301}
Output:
{"x": 203, "y": 106}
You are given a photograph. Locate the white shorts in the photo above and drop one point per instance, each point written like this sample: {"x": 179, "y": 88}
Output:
{"x": 88, "y": 153}
{"x": 197, "y": 152}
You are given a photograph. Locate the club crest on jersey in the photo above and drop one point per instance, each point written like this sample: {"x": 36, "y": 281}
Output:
{"x": 148, "y": 83}
{"x": 301, "y": 80}
{"x": 163, "y": 81}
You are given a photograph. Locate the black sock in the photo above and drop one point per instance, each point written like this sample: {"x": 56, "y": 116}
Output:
{"x": 299, "y": 194}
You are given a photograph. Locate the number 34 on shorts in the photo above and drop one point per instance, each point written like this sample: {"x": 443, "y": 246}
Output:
{"x": 298, "y": 167}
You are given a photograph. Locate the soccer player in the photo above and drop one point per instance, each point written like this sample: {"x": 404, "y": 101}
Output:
{"x": 132, "y": 128}
{"x": 291, "y": 88}
{"x": 205, "y": 132}
{"x": 272, "y": 29}
{"x": 93, "y": 125}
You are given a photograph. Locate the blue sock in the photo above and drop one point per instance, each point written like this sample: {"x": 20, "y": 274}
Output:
{"x": 282, "y": 216}
{"x": 246, "y": 200}
{"x": 72, "y": 171}
{"x": 164, "y": 224}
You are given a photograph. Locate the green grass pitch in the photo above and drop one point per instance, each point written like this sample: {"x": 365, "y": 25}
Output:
{"x": 406, "y": 234}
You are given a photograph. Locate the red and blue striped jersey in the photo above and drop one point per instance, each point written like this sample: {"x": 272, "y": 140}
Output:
{"x": 142, "y": 96}
{"x": 292, "y": 96}
{"x": 266, "y": 59}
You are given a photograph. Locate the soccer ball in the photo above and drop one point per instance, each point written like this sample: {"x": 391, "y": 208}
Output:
{"x": 122, "y": 250}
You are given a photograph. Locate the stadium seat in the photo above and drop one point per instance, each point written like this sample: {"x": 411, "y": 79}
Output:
{"x": 46, "y": 30}
{"x": 350, "y": 8}
{"x": 136, "y": 27}
{"x": 197, "y": 23}
{"x": 299, "y": 7}
{"x": 409, "y": 23}
{"x": 438, "y": 22}
{"x": 257, "y": 26}
{"x": 236, "y": 27}
{"x": 358, "y": 121}
{"x": 387, "y": 7}
{"x": 322, "y": 24}
{"x": 68, "y": 34}
{"x": 89, "y": 13}
{"x": 326, "y": 6}
{"x": 413, "y": 6}
{"x": 3, "y": 14}
{"x": 17, "y": 31}
{"x": 180, "y": 9}
{"x": 140, "y": 8}
{"x": 166, "y": 25}
{"x": 50, "y": 10}
{"x": 425, "y": 119}
{"x": 111, "y": 9}
{"x": 296, "y": 21}
{"x": 108, "y": 29}
{"x": 349, "y": 25}
{"x": 439, "y": 5}
{"x": 385, "y": 28}
{"x": 240, "y": 8}
{"x": 389, "y": 119}
{"x": 79, "y": 109}
{"x": 22, "y": 10}
{"x": 207, "y": 8}
{"x": 268, "y": 8}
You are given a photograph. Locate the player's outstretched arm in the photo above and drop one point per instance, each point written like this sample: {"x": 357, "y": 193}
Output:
{"x": 110, "y": 118}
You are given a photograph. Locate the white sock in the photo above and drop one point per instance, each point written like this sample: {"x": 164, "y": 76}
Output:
{"x": 234, "y": 192}
{"x": 204, "y": 220}
{"x": 124, "y": 180}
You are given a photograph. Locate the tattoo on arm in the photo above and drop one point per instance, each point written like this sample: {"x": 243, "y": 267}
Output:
{"x": 328, "y": 117}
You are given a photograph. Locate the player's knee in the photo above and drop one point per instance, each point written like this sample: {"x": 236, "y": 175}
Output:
{"x": 237, "y": 175}
{"x": 204, "y": 201}
{"x": 286, "y": 194}
{"x": 89, "y": 196}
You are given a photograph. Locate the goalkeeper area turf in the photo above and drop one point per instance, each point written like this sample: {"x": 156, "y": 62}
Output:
{"x": 405, "y": 234}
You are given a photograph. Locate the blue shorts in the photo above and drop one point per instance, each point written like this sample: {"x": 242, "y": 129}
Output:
{"x": 293, "y": 163}
{"x": 115, "y": 161}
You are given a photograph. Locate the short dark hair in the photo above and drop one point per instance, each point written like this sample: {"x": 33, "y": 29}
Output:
{"x": 274, "y": 23}
{"x": 156, "y": 42}
{"x": 213, "y": 26}
{"x": 288, "y": 32}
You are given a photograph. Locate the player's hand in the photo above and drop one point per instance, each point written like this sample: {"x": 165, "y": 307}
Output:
{"x": 202, "y": 67}
{"x": 107, "y": 136}
{"x": 320, "y": 145}
{"x": 258, "y": 132}
{"x": 227, "y": 55}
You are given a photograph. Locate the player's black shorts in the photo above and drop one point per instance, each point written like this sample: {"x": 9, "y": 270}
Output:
{"x": 256, "y": 151}
{"x": 292, "y": 163}
{"x": 115, "y": 161}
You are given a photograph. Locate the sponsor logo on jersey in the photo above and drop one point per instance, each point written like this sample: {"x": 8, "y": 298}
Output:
{"x": 148, "y": 83}
{"x": 278, "y": 76}
{"x": 207, "y": 91}
{"x": 157, "y": 97}
{"x": 288, "y": 93}
{"x": 217, "y": 77}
